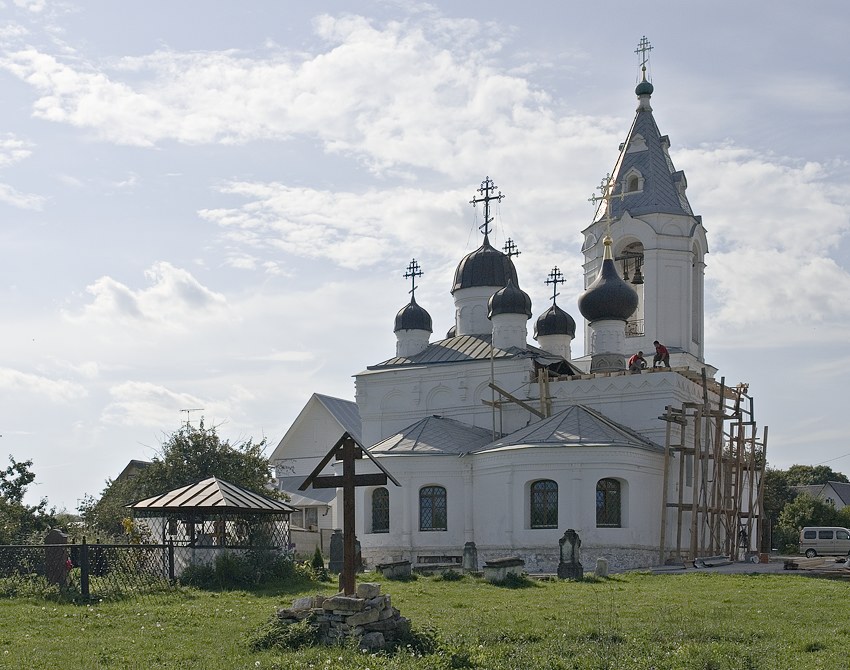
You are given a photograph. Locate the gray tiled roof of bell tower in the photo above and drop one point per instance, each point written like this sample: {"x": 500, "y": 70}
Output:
{"x": 660, "y": 193}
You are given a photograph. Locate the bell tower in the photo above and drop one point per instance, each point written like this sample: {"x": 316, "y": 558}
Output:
{"x": 659, "y": 245}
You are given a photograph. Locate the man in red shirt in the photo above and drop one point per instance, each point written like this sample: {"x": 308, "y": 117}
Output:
{"x": 661, "y": 355}
{"x": 637, "y": 362}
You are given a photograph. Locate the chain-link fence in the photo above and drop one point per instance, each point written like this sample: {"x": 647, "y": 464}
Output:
{"x": 86, "y": 571}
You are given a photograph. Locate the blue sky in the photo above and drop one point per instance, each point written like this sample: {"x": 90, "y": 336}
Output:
{"x": 211, "y": 204}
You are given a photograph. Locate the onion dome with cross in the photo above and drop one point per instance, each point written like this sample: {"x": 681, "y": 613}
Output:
{"x": 412, "y": 316}
{"x": 412, "y": 323}
{"x": 608, "y": 297}
{"x": 554, "y": 321}
{"x": 509, "y": 300}
{"x": 486, "y": 266}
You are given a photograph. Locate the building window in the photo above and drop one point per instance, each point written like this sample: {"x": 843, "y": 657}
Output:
{"x": 608, "y": 503}
{"x": 380, "y": 511}
{"x": 633, "y": 184}
{"x": 432, "y": 508}
{"x": 544, "y": 504}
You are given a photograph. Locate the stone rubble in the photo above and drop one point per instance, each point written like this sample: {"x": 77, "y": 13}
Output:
{"x": 367, "y": 616}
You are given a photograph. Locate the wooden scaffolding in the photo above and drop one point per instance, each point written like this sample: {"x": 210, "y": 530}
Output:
{"x": 714, "y": 454}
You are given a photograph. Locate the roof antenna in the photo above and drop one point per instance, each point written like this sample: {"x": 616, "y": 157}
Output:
{"x": 194, "y": 409}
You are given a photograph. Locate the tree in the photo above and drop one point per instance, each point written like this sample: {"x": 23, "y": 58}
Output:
{"x": 777, "y": 491}
{"x": 187, "y": 456}
{"x": 805, "y": 510}
{"x": 18, "y": 520}
{"x": 805, "y": 475}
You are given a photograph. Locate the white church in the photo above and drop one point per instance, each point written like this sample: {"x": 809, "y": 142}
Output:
{"x": 506, "y": 445}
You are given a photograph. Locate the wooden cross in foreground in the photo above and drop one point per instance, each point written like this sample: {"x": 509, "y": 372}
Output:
{"x": 347, "y": 450}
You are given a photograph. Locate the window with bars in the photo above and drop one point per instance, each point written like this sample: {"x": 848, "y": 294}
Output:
{"x": 380, "y": 511}
{"x": 608, "y": 503}
{"x": 432, "y": 508}
{"x": 544, "y": 504}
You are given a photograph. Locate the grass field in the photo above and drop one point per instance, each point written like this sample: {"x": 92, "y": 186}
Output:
{"x": 693, "y": 621}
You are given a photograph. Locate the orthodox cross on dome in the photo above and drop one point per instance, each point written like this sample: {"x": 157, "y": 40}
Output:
{"x": 511, "y": 248}
{"x": 413, "y": 271}
{"x": 486, "y": 190}
{"x": 606, "y": 188}
{"x": 555, "y": 277}
{"x": 644, "y": 47}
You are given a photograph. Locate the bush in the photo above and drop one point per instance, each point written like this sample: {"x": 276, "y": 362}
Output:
{"x": 450, "y": 576}
{"x": 279, "y": 634}
{"x": 786, "y": 539}
{"x": 318, "y": 565}
{"x": 515, "y": 581}
{"x": 232, "y": 570}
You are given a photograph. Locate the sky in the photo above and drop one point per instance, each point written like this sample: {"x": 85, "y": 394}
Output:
{"x": 210, "y": 205}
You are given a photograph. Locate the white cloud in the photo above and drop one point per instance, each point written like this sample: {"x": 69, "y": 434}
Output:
{"x": 136, "y": 403}
{"x": 175, "y": 300}
{"x": 397, "y": 95}
{"x": 34, "y": 6}
{"x": 11, "y": 196}
{"x": 54, "y": 390}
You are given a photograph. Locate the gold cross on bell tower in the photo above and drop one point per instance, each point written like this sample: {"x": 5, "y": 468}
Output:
{"x": 606, "y": 189}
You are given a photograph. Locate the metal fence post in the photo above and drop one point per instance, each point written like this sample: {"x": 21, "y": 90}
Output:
{"x": 171, "y": 560}
{"x": 84, "y": 569}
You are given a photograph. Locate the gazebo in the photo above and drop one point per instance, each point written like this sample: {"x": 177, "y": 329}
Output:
{"x": 208, "y": 517}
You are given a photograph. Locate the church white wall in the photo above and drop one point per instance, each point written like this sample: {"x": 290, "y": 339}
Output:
{"x": 390, "y": 400}
{"x": 510, "y": 330}
{"x": 502, "y": 501}
{"x": 411, "y": 342}
{"x": 310, "y": 437}
{"x": 406, "y": 541}
{"x": 635, "y": 400}
{"x": 471, "y": 310}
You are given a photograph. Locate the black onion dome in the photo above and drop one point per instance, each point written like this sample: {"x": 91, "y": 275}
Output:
{"x": 452, "y": 332}
{"x": 412, "y": 317}
{"x": 509, "y": 300}
{"x": 644, "y": 88}
{"x": 608, "y": 297}
{"x": 554, "y": 321}
{"x": 486, "y": 266}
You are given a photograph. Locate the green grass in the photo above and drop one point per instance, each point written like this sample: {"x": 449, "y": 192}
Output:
{"x": 635, "y": 621}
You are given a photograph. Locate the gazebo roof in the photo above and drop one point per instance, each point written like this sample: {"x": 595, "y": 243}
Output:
{"x": 215, "y": 496}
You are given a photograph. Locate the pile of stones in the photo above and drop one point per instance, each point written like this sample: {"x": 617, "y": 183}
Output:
{"x": 366, "y": 616}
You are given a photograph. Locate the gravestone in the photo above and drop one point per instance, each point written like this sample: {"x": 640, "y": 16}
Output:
{"x": 570, "y": 566}
{"x": 470, "y": 557}
{"x": 56, "y": 557}
{"x": 602, "y": 567}
{"x": 335, "y": 562}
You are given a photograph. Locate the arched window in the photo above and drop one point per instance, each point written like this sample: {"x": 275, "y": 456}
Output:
{"x": 380, "y": 511}
{"x": 608, "y": 503}
{"x": 432, "y": 508}
{"x": 634, "y": 184}
{"x": 544, "y": 504}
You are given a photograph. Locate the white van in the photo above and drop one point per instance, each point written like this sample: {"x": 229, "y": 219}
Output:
{"x": 824, "y": 541}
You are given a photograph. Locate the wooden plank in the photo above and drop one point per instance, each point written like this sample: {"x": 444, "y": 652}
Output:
{"x": 519, "y": 402}
{"x": 336, "y": 481}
